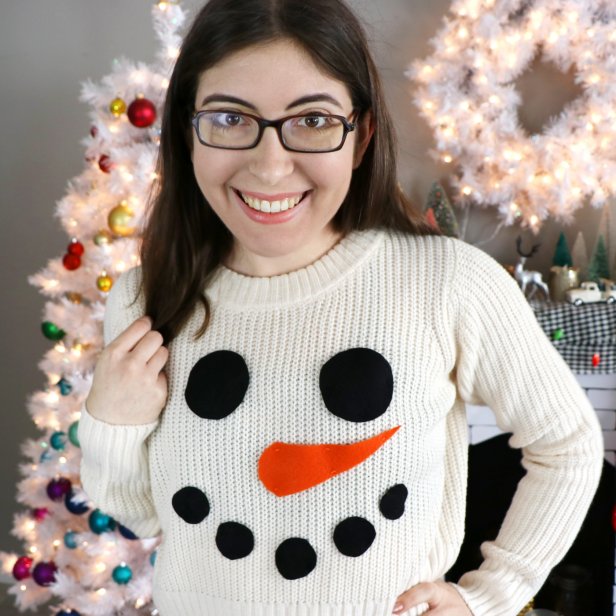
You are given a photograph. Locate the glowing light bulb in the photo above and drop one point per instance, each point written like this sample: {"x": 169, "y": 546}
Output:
{"x": 467, "y": 190}
{"x": 101, "y": 591}
{"x": 447, "y": 158}
{"x": 100, "y": 567}
{"x": 56, "y": 543}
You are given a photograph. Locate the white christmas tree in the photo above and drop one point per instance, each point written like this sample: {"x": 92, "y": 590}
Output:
{"x": 74, "y": 554}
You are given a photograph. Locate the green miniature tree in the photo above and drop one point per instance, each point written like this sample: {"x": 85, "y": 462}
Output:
{"x": 443, "y": 212}
{"x": 599, "y": 267}
{"x": 562, "y": 256}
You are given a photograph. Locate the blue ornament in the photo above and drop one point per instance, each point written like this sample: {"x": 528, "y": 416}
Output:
{"x": 46, "y": 456}
{"x": 58, "y": 440}
{"x": 70, "y": 539}
{"x": 153, "y": 557}
{"x": 100, "y": 522}
{"x": 68, "y": 613}
{"x": 73, "y": 506}
{"x": 72, "y": 433}
{"x": 126, "y": 533}
{"x": 64, "y": 386}
{"x": 122, "y": 574}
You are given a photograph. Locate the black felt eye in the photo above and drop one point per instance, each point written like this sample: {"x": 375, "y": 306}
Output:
{"x": 357, "y": 384}
{"x": 217, "y": 384}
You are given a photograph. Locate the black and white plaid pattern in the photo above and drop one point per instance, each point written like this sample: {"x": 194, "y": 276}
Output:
{"x": 589, "y": 329}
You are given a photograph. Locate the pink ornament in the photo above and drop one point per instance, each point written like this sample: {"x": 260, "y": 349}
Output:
{"x": 21, "y": 568}
{"x": 40, "y": 513}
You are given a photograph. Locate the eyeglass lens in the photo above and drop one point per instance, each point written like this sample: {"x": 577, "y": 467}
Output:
{"x": 236, "y": 130}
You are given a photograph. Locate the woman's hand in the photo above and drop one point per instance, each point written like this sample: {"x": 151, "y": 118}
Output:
{"x": 433, "y": 599}
{"x": 129, "y": 385}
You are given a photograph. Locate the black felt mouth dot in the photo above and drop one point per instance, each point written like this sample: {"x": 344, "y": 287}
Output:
{"x": 295, "y": 558}
{"x": 191, "y": 504}
{"x": 234, "y": 540}
{"x": 393, "y": 501}
{"x": 217, "y": 384}
{"x": 353, "y": 536}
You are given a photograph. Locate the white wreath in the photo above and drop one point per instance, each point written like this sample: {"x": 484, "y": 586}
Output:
{"x": 466, "y": 94}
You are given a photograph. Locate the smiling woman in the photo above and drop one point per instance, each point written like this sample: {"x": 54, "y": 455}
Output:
{"x": 291, "y": 414}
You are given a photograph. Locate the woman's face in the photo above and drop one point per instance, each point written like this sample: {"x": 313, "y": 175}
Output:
{"x": 271, "y": 80}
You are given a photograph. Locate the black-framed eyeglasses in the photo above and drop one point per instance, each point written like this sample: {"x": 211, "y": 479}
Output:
{"x": 308, "y": 132}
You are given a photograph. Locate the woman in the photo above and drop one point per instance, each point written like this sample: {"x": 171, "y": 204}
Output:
{"x": 290, "y": 414}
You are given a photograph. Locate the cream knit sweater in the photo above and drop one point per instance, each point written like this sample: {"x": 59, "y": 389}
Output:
{"x": 312, "y": 456}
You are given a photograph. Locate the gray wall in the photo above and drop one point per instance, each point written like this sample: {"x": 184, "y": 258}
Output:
{"x": 48, "y": 49}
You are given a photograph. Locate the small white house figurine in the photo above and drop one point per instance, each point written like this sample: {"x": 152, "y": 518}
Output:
{"x": 589, "y": 293}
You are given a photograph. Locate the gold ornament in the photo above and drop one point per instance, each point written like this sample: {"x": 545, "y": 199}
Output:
{"x": 103, "y": 238}
{"x": 104, "y": 282}
{"x": 117, "y": 107}
{"x": 119, "y": 220}
{"x": 73, "y": 297}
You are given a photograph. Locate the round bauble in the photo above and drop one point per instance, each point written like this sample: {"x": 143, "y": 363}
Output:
{"x": 22, "y": 567}
{"x": 142, "y": 113}
{"x": 52, "y": 332}
{"x": 117, "y": 107}
{"x": 58, "y": 440}
{"x": 71, "y": 262}
{"x": 104, "y": 283}
{"x": 44, "y": 574}
{"x": 120, "y": 220}
{"x": 100, "y": 522}
{"x": 103, "y": 238}
{"x": 72, "y": 433}
{"x": 122, "y": 574}
{"x": 73, "y": 506}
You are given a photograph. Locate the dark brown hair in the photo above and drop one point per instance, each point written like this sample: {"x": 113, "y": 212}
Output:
{"x": 184, "y": 241}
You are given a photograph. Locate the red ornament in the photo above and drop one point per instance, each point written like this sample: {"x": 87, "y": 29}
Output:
{"x": 142, "y": 113}
{"x": 75, "y": 248}
{"x": 596, "y": 359}
{"x": 40, "y": 513}
{"x": 93, "y": 131}
{"x": 21, "y": 568}
{"x": 71, "y": 262}
{"x": 105, "y": 164}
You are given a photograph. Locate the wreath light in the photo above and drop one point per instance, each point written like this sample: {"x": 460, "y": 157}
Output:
{"x": 465, "y": 91}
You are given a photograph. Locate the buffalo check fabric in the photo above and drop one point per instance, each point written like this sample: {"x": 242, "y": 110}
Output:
{"x": 584, "y": 335}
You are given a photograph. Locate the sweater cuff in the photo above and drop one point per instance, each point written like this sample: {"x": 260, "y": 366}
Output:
{"x": 491, "y": 593}
{"x": 114, "y": 449}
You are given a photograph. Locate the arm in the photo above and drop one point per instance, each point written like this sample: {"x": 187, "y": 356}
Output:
{"x": 115, "y": 463}
{"x": 506, "y": 361}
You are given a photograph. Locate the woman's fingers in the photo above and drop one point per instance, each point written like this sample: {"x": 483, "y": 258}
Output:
{"x": 432, "y": 599}
{"x": 127, "y": 340}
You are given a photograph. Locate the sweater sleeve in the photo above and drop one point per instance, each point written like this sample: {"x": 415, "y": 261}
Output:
{"x": 114, "y": 458}
{"x": 505, "y": 361}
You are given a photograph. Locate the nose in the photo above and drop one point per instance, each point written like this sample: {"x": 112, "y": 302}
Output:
{"x": 270, "y": 162}
{"x": 286, "y": 468}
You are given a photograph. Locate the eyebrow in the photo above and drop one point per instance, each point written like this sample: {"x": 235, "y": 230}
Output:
{"x": 310, "y": 98}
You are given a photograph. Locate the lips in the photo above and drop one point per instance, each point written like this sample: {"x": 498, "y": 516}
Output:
{"x": 286, "y": 468}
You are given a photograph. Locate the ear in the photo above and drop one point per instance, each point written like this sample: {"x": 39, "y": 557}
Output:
{"x": 365, "y": 130}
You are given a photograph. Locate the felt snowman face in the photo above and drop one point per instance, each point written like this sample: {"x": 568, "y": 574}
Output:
{"x": 356, "y": 385}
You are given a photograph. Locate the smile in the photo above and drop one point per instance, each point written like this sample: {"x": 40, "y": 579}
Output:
{"x": 273, "y": 207}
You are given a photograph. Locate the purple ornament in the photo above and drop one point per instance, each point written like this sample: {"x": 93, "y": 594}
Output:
{"x": 21, "y": 568}
{"x": 44, "y": 574}
{"x": 58, "y": 488}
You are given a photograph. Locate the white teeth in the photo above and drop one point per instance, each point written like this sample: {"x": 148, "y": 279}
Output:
{"x": 271, "y": 207}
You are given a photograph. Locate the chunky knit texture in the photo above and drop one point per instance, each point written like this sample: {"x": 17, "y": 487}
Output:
{"x": 387, "y": 334}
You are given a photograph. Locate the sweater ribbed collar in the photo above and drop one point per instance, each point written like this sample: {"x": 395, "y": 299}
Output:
{"x": 350, "y": 253}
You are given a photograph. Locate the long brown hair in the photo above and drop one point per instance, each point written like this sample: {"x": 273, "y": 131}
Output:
{"x": 184, "y": 241}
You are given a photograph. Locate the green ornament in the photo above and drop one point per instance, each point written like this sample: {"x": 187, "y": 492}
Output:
{"x": 558, "y": 334}
{"x": 52, "y": 331}
{"x": 122, "y": 574}
{"x": 72, "y": 433}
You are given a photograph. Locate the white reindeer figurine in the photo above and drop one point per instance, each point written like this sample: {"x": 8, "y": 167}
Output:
{"x": 526, "y": 277}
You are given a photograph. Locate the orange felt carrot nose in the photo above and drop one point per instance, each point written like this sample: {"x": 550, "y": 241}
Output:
{"x": 285, "y": 468}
